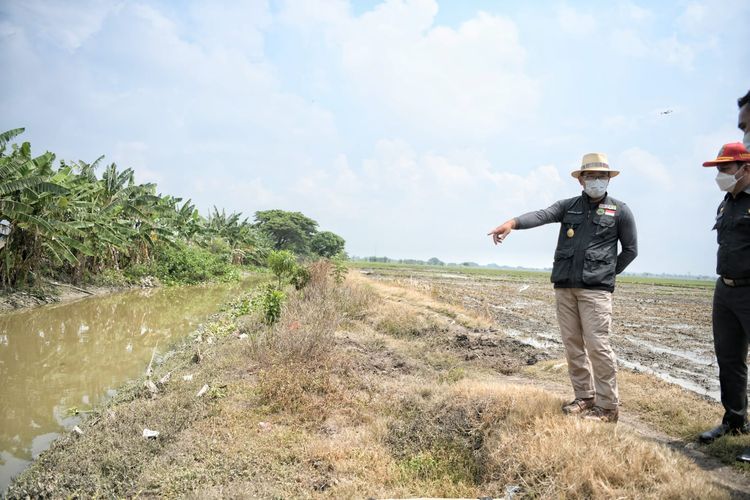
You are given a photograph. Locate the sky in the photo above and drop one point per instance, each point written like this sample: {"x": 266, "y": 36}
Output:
{"x": 409, "y": 127}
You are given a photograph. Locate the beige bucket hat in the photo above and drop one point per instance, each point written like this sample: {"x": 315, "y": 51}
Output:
{"x": 594, "y": 162}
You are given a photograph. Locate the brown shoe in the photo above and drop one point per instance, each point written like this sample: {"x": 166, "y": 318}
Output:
{"x": 602, "y": 414}
{"x": 578, "y": 406}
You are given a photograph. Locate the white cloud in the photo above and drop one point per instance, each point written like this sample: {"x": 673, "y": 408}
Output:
{"x": 242, "y": 26}
{"x": 539, "y": 187}
{"x": 693, "y": 17}
{"x": 668, "y": 50}
{"x": 635, "y": 12}
{"x": 246, "y": 194}
{"x": 576, "y": 23}
{"x": 647, "y": 167}
{"x": 628, "y": 42}
{"x": 135, "y": 155}
{"x": 464, "y": 82}
{"x": 674, "y": 52}
{"x": 59, "y": 24}
{"x": 620, "y": 122}
{"x": 7, "y": 29}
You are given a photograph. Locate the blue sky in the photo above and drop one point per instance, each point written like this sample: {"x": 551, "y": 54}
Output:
{"x": 410, "y": 127}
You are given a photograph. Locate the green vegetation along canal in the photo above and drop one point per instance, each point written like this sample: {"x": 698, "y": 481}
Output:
{"x": 74, "y": 355}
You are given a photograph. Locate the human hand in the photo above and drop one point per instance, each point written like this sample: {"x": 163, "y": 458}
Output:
{"x": 502, "y": 231}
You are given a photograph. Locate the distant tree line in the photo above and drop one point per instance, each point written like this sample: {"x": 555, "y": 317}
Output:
{"x": 79, "y": 220}
{"x": 433, "y": 261}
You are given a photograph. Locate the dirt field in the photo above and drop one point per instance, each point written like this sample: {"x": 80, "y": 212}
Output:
{"x": 664, "y": 330}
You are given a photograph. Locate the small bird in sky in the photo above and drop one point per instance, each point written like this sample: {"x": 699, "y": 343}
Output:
{"x": 666, "y": 112}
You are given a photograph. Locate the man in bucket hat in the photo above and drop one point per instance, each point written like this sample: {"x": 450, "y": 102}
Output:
{"x": 586, "y": 262}
{"x": 731, "y": 305}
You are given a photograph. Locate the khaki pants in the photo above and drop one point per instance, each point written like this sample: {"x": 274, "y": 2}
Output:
{"x": 585, "y": 318}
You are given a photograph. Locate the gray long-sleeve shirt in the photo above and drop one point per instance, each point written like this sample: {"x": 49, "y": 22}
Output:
{"x": 586, "y": 254}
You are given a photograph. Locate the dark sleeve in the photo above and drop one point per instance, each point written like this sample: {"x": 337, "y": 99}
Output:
{"x": 628, "y": 237}
{"x": 554, "y": 213}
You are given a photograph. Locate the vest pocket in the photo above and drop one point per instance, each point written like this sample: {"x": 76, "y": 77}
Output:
{"x": 599, "y": 268}
{"x": 562, "y": 265}
{"x": 573, "y": 219}
{"x": 604, "y": 224}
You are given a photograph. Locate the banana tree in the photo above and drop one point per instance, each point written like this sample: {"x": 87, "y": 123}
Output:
{"x": 28, "y": 199}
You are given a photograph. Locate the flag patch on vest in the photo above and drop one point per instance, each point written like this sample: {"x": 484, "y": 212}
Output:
{"x": 607, "y": 207}
{"x": 611, "y": 213}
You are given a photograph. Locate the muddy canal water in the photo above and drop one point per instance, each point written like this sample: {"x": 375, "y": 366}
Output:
{"x": 58, "y": 358}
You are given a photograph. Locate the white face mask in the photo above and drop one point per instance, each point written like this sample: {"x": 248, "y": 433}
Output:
{"x": 726, "y": 182}
{"x": 595, "y": 188}
{"x": 746, "y": 140}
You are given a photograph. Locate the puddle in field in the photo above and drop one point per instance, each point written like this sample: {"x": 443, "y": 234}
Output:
{"x": 682, "y": 326}
{"x": 533, "y": 341}
{"x": 684, "y": 383}
{"x": 453, "y": 276}
{"x": 680, "y": 353}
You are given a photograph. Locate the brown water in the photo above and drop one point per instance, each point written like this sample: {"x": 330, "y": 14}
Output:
{"x": 58, "y": 357}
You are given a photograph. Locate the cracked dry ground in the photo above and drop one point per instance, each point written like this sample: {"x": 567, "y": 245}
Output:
{"x": 658, "y": 329}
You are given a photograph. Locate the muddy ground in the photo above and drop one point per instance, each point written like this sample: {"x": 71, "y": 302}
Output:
{"x": 660, "y": 329}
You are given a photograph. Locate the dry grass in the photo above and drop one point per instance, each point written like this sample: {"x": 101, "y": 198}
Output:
{"x": 352, "y": 394}
{"x": 486, "y": 436}
{"x": 664, "y": 406}
{"x": 403, "y": 320}
{"x": 427, "y": 300}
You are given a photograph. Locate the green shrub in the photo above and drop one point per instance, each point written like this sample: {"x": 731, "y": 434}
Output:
{"x": 339, "y": 270}
{"x": 282, "y": 264}
{"x": 135, "y": 272}
{"x": 185, "y": 264}
{"x": 300, "y": 277}
{"x": 269, "y": 303}
{"x": 239, "y": 307}
{"x": 110, "y": 277}
{"x": 220, "y": 248}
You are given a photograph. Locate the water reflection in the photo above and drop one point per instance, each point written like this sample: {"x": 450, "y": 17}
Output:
{"x": 72, "y": 355}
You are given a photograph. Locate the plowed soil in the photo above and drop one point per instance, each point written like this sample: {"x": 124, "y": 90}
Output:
{"x": 660, "y": 329}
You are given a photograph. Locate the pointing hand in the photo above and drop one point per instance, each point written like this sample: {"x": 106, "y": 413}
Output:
{"x": 500, "y": 232}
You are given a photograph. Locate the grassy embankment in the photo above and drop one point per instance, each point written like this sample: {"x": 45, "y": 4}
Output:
{"x": 360, "y": 389}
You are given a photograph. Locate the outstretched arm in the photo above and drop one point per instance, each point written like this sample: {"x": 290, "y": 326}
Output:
{"x": 554, "y": 213}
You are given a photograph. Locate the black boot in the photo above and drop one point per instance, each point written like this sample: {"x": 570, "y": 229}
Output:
{"x": 720, "y": 430}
